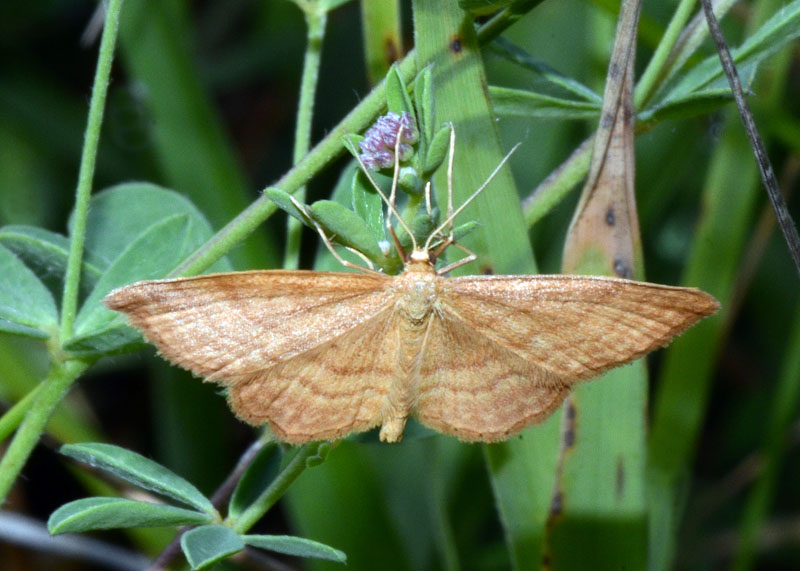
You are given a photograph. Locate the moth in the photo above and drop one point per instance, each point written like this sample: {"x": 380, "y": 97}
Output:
{"x": 319, "y": 355}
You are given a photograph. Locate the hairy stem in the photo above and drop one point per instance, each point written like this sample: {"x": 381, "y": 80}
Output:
{"x": 315, "y": 20}
{"x": 276, "y": 489}
{"x": 58, "y": 381}
{"x": 69, "y": 302}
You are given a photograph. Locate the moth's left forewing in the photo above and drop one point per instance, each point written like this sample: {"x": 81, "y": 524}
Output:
{"x": 575, "y": 326}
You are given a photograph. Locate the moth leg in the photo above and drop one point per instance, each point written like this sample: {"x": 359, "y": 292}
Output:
{"x": 471, "y": 257}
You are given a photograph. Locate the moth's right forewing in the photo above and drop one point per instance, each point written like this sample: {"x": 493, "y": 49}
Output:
{"x": 575, "y": 326}
{"x": 227, "y": 327}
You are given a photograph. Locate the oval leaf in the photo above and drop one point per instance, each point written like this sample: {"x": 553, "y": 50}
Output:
{"x": 299, "y": 546}
{"x": 111, "y": 513}
{"x": 24, "y": 299}
{"x": 367, "y": 203}
{"x": 120, "y": 214}
{"x": 46, "y": 253}
{"x": 160, "y": 249}
{"x": 423, "y": 99}
{"x": 138, "y": 470}
{"x": 437, "y": 151}
{"x": 283, "y": 200}
{"x": 397, "y": 98}
{"x": 210, "y": 544}
{"x": 346, "y": 228}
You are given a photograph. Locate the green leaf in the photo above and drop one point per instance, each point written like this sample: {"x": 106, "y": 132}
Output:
{"x": 24, "y": 299}
{"x": 258, "y": 476}
{"x": 109, "y": 513}
{"x": 45, "y": 253}
{"x": 209, "y": 544}
{"x": 367, "y": 203}
{"x": 157, "y": 251}
{"x": 464, "y": 229}
{"x": 691, "y": 105}
{"x": 397, "y": 98}
{"x": 776, "y": 32}
{"x": 351, "y": 142}
{"x": 437, "y": 151}
{"x": 423, "y": 100}
{"x": 346, "y": 228}
{"x": 518, "y": 102}
{"x": 119, "y": 215}
{"x": 140, "y": 471}
{"x": 516, "y": 54}
{"x": 284, "y": 202}
{"x": 299, "y": 546}
{"x": 22, "y": 330}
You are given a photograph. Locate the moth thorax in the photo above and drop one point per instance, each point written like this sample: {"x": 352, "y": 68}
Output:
{"x": 418, "y": 292}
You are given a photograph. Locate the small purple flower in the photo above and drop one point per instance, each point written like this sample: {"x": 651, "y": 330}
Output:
{"x": 378, "y": 145}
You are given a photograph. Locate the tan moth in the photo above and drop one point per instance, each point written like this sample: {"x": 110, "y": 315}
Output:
{"x": 319, "y": 355}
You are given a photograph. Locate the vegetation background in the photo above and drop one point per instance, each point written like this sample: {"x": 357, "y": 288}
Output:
{"x": 203, "y": 100}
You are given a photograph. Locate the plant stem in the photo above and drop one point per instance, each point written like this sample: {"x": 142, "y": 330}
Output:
{"x": 276, "y": 489}
{"x": 316, "y": 18}
{"x": 69, "y": 302}
{"x": 653, "y": 74}
{"x": 58, "y": 381}
{"x": 13, "y": 416}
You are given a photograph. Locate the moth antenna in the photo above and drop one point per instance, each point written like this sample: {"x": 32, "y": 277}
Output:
{"x": 450, "y": 161}
{"x": 475, "y": 194}
{"x": 299, "y": 206}
{"x": 342, "y": 261}
{"x": 428, "y": 205}
{"x": 391, "y": 206}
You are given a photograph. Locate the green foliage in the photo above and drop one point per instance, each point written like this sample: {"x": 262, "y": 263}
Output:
{"x": 139, "y": 471}
{"x": 26, "y": 306}
{"x": 111, "y": 513}
{"x": 209, "y": 543}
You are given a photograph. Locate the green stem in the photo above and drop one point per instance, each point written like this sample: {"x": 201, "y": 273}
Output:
{"x": 323, "y": 153}
{"x": 58, "y": 381}
{"x": 276, "y": 489}
{"x": 315, "y": 20}
{"x": 653, "y": 75}
{"x": 69, "y": 302}
{"x": 13, "y": 416}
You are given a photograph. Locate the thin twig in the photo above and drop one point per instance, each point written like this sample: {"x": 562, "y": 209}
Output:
{"x": 218, "y": 498}
{"x": 764, "y": 166}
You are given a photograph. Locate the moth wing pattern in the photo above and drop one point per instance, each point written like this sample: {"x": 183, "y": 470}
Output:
{"x": 575, "y": 326}
{"x": 476, "y": 389}
{"x": 327, "y": 392}
{"x": 229, "y": 327}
